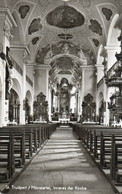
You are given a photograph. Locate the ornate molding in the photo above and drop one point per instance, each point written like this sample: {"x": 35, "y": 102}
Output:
{"x": 7, "y": 33}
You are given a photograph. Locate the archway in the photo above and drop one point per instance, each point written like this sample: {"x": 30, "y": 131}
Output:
{"x": 14, "y": 102}
{"x": 14, "y": 107}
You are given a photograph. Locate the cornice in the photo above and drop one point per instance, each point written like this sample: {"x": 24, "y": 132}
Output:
{"x": 20, "y": 47}
{"x": 42, "y": 66}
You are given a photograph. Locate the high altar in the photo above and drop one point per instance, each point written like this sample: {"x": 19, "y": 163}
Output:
{"x": 63, "y": 97}
{"x": 64, "y": 117}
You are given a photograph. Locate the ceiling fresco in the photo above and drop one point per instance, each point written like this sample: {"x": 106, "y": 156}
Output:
{"x": 65, "y": 17}
{"x": 66, "y": 66}
{"x": 65, "y": 34}
{"x": 65, "y": 48}
{"x": 64, "y": 63}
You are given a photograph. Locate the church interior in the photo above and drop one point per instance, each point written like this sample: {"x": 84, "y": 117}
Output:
{"x": 61, "y": 74}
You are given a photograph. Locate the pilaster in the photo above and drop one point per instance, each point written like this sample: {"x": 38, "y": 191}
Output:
{"x": 3, "y": 101}
{"x": 42, "y": 75}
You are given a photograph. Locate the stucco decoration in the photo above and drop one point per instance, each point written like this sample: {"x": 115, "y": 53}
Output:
{"x": 64, "y": 72}
{"x": 64, "y": 48}
{"x": 88, "y": 55}
{"x": 95, "y": 27}
{"x": 23, "y": 10}
{"x": 86, "y": 3}
{"x": 65, "y": 36}
{"x": 35, "y": 26}
{"x": 41, "y": 54}
{"x": 35, "y": 40}
{"x": 107, "y": 13}
{"x": 58, "y": 48}
{"x": 96, "y": 42}
{"x": 65, "y": 17}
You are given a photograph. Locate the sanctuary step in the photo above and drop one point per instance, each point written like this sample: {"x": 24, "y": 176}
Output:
{"x": 62, "y": 166}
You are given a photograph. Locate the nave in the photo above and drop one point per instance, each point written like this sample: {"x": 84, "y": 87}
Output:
{"x": 62, "y": 166}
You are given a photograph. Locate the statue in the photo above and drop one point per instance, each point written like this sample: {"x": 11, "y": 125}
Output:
{"x": 9, "y": 67}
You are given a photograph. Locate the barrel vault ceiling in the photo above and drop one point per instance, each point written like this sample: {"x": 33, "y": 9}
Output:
{"x": 64, "y": 34}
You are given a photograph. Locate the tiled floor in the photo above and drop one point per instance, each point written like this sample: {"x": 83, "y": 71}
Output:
{"x": 62, "y": 167}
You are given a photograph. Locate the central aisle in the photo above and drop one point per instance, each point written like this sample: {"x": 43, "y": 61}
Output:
{"x": 62, "y": 167}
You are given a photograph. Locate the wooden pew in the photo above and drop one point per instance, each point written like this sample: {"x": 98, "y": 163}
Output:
{"x": 106, "y": 149}
{"x": 19, "y": 142}
{"x": 24, "y": 137}
{"x": 116, "y": 159}
{"x": 6, "y": 156}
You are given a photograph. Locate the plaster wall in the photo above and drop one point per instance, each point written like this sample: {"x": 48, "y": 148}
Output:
{"x": 29, "y": 72}
{"x": 17, "y": 56}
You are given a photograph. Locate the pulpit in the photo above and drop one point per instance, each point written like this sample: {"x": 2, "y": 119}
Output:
{"x": 114, "y": 79}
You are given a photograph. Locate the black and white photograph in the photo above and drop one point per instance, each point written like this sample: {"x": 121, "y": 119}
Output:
{"x": 60, "y": 96}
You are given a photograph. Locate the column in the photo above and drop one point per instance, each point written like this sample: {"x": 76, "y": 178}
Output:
{"x": 41, "y": 83}
{"x": 100, "y": 72}
{"x": 20, "y": 53}
{"x": 30, "y": 71}
{"x": 23, "y": 97}
{"x": 49, "y": 104}
{"x": 3, "y": 102}
{"x": 82, "y": 88}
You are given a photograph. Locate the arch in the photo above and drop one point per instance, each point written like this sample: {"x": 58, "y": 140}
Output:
{"x": 29, "y": 96}
{"x": 18, "y": 33}
{"x": 112, "y": 32}
{"x": 99, "y": 57}
{"x": 16, "y": 86}
{"x": 99, "y": 64}
{"x": 14, "y": 106}
{"x": 100, "y": 95}
{"x": 75, "y": 58}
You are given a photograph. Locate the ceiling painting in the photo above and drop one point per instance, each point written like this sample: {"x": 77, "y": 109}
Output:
{"x": 65, "y": 17}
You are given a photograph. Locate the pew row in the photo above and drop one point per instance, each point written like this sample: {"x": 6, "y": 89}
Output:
{"x": 19, "y": 143}
{"x": 105, "y": 145}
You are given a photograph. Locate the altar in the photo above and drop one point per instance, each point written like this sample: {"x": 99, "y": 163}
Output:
{"x": 64, "y": 120}
{"x": 64, "y": 117}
